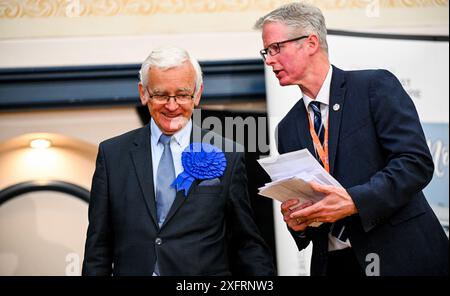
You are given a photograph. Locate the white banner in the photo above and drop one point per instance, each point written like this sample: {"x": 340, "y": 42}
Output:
{"x": 423, "y": 69}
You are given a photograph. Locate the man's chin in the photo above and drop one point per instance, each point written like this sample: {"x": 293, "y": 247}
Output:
{"x": 283, "y": 81}
{"x": 175, "y": 124}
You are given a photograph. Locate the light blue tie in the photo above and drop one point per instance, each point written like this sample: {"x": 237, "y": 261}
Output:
{"x": 165, "y": 194}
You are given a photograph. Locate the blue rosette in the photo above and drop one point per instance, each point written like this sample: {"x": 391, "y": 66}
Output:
{"x": 201, "y": 161}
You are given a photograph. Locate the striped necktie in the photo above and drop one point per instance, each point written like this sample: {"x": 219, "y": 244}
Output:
{"x": 318, "y": 123}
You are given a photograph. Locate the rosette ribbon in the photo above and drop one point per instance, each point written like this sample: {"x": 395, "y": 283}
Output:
{"x": 201, "y": 161}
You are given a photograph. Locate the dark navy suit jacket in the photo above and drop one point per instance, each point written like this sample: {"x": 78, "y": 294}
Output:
{"x": 378, "y": 153}
{"x": 209, "y": 232}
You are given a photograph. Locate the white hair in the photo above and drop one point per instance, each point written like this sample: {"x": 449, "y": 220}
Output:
{"x": 302, "y": 18}
{"x": 169, "y": 57}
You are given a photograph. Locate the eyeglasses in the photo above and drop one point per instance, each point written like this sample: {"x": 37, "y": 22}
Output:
{"x": 164, "y": 99}
{"x": 274, "y": 48}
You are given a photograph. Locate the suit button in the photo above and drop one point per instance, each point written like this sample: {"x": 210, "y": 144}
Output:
{"x": 158, "y": 241}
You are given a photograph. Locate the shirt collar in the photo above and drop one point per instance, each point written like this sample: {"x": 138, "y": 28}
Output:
{"x": 182, "y": 137}
{"x": 324, "y": 93}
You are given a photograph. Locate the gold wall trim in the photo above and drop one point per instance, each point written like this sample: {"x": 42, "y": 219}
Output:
{"x": 13, "y": 9}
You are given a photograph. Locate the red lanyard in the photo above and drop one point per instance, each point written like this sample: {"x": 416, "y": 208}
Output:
{"x": 322, "y": 151}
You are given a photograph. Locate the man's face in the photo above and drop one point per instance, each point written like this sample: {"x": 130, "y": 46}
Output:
{"x": 170, "y": 117}
{"x": 290, "y": 63}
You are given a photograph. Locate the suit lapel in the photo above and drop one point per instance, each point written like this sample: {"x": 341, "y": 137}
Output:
{"x": 142, "y": 160}
{"x": 179, "y": 200}
{"x": 337, "y": 98}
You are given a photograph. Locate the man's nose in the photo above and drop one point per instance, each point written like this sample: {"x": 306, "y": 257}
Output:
{"x": 171, "y": 104}
{"x": 270, "y": 60}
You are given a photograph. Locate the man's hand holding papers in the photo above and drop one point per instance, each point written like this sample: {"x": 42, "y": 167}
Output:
{"x": 309, "y": 194}
{"x": 336, "y": 204}
{"x": 297, "y": 224}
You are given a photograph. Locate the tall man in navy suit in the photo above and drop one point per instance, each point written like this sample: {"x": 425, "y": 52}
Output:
{"x": 364, "y": 129}
{"x": 138, "y": 223}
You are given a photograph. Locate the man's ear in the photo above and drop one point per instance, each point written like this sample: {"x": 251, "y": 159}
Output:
{"x": 313, "y": 43}
{"x": 142, "y": 94}
{"x": 198, "y": 96}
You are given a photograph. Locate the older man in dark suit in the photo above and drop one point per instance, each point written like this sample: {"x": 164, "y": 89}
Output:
{"x": 364, "y": 129}
{"x": 140, "y": 221}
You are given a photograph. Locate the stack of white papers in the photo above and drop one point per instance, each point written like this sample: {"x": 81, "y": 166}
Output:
{"x": 290, "y": 174}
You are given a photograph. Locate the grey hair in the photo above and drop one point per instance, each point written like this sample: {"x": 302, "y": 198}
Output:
{"x": 301, "y": 17}
{"x": 170, "y": 57}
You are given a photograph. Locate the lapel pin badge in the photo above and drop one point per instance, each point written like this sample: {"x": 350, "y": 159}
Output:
{"x": 336, "y": 107}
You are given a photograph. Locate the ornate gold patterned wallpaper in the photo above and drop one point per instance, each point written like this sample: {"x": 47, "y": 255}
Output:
{"x": 81, "y": 18}
{"x": 10, "y": 9}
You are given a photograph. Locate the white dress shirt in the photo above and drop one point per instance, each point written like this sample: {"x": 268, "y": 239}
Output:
{"x": 323, "y": 97}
